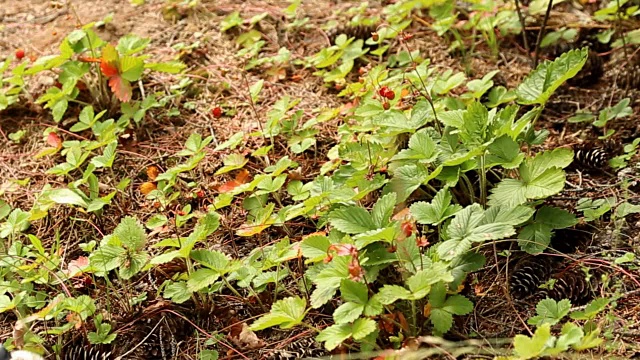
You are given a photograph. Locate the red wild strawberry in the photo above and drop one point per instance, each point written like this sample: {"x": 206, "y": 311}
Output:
{"x": 422, "y": 241}
{"x": 385, "y": 105}
{"x": 407, "y": 228}
{"x": 383, "y": 91}
{"x": 217, "y": 112}
{"x": 390, "y": 95}
{"x": 356, "y": 272}
{"x": 19, "y": 54}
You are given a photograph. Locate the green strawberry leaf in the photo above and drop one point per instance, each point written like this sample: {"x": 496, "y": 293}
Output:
{"x": 285, "y": 313}
{"x": 550, "y": 312}
{"x": 437, "y": 211}
{"x": 530, "y": 347}
{"x": 352, "y": 220}
{"x": 549, "y": 75}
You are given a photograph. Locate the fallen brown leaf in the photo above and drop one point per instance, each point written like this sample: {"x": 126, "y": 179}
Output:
{"x": 247, "y": 339}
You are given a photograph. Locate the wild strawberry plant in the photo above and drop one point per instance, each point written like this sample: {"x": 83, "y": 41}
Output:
{"x": 447, "y": 141}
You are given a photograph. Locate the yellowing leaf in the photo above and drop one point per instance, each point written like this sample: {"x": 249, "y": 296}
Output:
{"x": 250, "y": 229}
{"x": 152, "y": 172}
{"x": 147, "y": 187}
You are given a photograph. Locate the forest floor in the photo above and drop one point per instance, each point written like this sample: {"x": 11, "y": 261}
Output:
{"x": 135, "y": 308}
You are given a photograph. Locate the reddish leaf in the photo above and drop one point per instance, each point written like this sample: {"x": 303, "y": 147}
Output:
{"x": 109, "y": 61}
{"x": 78, "y": 264}
{"x": 403, "y": 321}
{"x": 109, "y": 69}
{"x": 241, "y": 178}
{"x": 387, "y": 322}
{"x": 54, "y": 140}
{"x": 74, "y": 318}
{"x": 89, "y": 59}
{"x": 120, "y": 87}
{"x": 344, "y": 249}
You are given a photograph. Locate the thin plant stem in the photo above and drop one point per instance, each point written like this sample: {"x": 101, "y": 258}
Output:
{"x": 483, "y": 182}
{"x": 304, "y": 280}
{"x": 275, "y": 290}
{"x": 624, "y": 42}
{"x": 426, "y": 95}
{"x": 540, "y": 32}
{"x": 255, "y": 113}
{"x": 524, "y": 34}
{"x": 231, "y": 288}
{"x": 254, "y": 293}
{"x": 467, "y": 183}
{"x": 414, "y": 319}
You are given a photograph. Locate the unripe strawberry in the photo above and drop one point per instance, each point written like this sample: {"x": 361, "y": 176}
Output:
{"x": 385, "y": 105}
{"x": 375, "y": 36}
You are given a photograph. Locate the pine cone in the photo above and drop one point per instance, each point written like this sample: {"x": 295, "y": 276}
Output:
{"x": 360, "y": 32}
{"x": 302, "y": 348}
{"x": 80, "y": 352}
{"x": 593, "y": 68}
{"x": 572, "y": 284}
{"x": 529, "y": 273}
{"x": 591, "y": 72}
{"x": 567, "y": 241}
{"x": 630, "y": 78}
{"x": 589, "y": 157}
